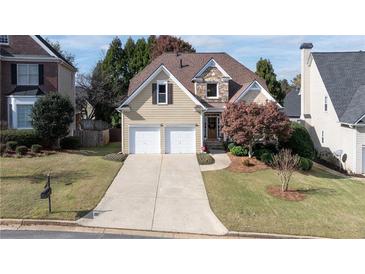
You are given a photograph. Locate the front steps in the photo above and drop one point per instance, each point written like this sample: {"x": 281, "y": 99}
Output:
{"x": 214, "y": 145}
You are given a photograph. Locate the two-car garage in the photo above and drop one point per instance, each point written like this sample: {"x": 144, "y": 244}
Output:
{"x": 157, "y": 139}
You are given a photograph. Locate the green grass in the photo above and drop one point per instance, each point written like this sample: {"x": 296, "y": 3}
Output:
{"x": 79, "y": 180}
{"x": 333, "y": 207}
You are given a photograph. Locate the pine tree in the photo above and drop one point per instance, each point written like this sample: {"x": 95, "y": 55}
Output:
{"x": 265, "y": 70}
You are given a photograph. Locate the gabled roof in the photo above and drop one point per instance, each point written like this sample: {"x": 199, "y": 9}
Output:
{"x": 191, "y": 64}
{"x": 292, "y": 104}
{"x": 54, "y": 51}
{"x": 343, "y": 74}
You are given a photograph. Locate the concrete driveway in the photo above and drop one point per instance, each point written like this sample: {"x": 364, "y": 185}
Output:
{"x": 157, "y": 192}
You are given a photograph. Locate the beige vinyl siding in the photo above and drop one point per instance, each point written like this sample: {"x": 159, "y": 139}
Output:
{"x": 254, "y": 96}
{"x": 181, "y": 111}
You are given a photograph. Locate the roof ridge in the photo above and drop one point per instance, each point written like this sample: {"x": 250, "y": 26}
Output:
{"x": 331, "y": 52}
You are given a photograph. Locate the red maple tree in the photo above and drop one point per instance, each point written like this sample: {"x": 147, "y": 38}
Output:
{"x": 250, "y": 124}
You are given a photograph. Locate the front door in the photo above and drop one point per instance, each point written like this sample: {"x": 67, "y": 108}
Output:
{"x": 212, "y": 128}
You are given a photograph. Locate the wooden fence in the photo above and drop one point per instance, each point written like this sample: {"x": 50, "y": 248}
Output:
{"x": 92, "y": 138}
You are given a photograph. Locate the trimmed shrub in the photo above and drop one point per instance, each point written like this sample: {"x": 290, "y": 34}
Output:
{"x": 36, "y": 148}
{"x": 259, "y": 152}
{"x": 2, "y": 148}
{"x": 70, "y": 142}
{"x": 21, "y": 150}
{"x": 266, "y": 158}
{"x": 11, "y": 145}
{"x": 239, "y": 151}
{"x": 205, "y": 159}
{"x": 230, "y": 146}
{"x": 300, "y": 142}
{"x": 118, "y": 157}
{"x": 305, "y": 164}
{"x": 24, "y": 137}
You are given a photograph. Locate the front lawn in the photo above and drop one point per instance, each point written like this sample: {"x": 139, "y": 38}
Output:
{"x": 333, "y": 206}
{"x": 79, "y": 180}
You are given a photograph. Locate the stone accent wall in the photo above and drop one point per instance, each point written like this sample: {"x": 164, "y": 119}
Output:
{"x": 213, "y": 74}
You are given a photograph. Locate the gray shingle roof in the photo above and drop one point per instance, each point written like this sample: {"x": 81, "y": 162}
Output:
{"x": 343, "y": 74}
{"x": 27, "y": 90}
{"x": 292, "y": 104}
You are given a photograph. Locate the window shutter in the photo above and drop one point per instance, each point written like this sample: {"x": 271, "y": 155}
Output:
{"x": 40, "y": 74}
{"x": 13, "y": 74}
{"x": 170, "y": 93}
{"x": 154, "y": 93}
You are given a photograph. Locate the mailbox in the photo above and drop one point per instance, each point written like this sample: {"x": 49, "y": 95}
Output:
{"x": 46, "y": 192}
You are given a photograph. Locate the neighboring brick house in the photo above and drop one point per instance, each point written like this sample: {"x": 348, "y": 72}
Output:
{"x": 29, "y": 68}
{"x": 174, "y": 105}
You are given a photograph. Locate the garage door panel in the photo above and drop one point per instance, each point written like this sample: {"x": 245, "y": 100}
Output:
{"x": 144, "y": 140}
{"x": 180, "y": 140}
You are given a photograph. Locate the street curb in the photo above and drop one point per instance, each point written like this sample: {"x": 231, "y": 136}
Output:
{"x": 72, "y": 224}
{"x": 268, "y": 235}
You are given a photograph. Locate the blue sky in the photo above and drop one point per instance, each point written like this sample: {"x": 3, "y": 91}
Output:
{"x": 283, "y": 51}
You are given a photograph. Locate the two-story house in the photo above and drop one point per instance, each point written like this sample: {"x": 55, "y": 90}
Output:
{"x": 29, "y": 68}
{"x": 333, "y": 104}
{"x": 174, "y": 105}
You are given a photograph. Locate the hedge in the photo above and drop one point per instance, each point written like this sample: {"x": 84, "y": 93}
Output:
{"x": 21, "y": 150}
{"x": 305, "y": 164}
{"x": 300, "y": 142}
{"x": 24, "y": 137}
{"x": 267, "y": 158}
{"x": 70, "y": 142}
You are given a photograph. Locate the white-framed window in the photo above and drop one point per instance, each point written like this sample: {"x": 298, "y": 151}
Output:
{"x": 212, "y": 90}
{"x": 4, "y": 40}
{"x": 325, "y": 105}
{"x": 322, "y": 136}
{"x": 23, "y": 116}
{"x": 27, "y": 75}
{"x": 162, "y": 92}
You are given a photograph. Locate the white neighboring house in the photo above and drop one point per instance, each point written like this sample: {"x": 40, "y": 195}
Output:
{"x": 333, "y": 104}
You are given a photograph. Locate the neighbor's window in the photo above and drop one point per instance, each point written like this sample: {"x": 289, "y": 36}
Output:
{"x": 23, "y": 116}
{"x": 162, "y": 92}
{"x": 322, "y": 136}
{"x": 325, "y": 103}
{"x": 27, "y": 74}
{"x": 212, "y": 90}
{"x": 4, "y": 39}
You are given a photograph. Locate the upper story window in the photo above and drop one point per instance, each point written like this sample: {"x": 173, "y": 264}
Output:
{"x": 212, "y": 90}
{"x": 325, "y": 105}
{"x": 162, "y": 92}
{"x": 4, "y": 39}
{"x": 28, "y": 75}
{"x": 322, "y": 136}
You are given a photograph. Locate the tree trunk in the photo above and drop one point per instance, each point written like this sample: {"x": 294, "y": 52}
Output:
{"x": 250, "y": 151}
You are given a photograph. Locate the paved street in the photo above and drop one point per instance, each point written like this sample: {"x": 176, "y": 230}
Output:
{"x": 38, "y": 234}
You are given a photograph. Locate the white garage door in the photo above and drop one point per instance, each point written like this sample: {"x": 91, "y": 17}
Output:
{"x": 180, "y": 139}
{"x": 144, "y": 140}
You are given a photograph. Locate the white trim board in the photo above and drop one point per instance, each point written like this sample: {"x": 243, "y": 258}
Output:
{"x": 262, "y": 89}
{"x": 150, "y": 78}
{"x": 211, "y": 63}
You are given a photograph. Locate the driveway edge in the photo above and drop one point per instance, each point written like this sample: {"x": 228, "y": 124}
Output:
{"x": 259, "y": 235}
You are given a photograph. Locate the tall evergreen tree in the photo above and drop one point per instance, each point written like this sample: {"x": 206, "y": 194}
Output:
{"x": 285, "y": 87}
{"x": 113, "y": 68}
{"x": 296, "y": 82}
{"x": 265, "y": 70}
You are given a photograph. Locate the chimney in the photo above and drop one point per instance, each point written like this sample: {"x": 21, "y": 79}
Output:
{"x": 305, "y": 50}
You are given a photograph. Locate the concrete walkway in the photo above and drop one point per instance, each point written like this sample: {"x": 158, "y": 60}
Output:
{"x": 221, "y": 161}
{"x": 159, "y": 193}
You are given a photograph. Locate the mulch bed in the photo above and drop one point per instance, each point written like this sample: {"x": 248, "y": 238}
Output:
{"x": 238, "y": 166}
{"x": 290, "y": 195}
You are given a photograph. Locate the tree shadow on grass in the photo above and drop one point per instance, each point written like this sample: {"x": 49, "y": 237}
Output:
{"x": 63, "y": 177}
{"x": 320, "y": 191}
